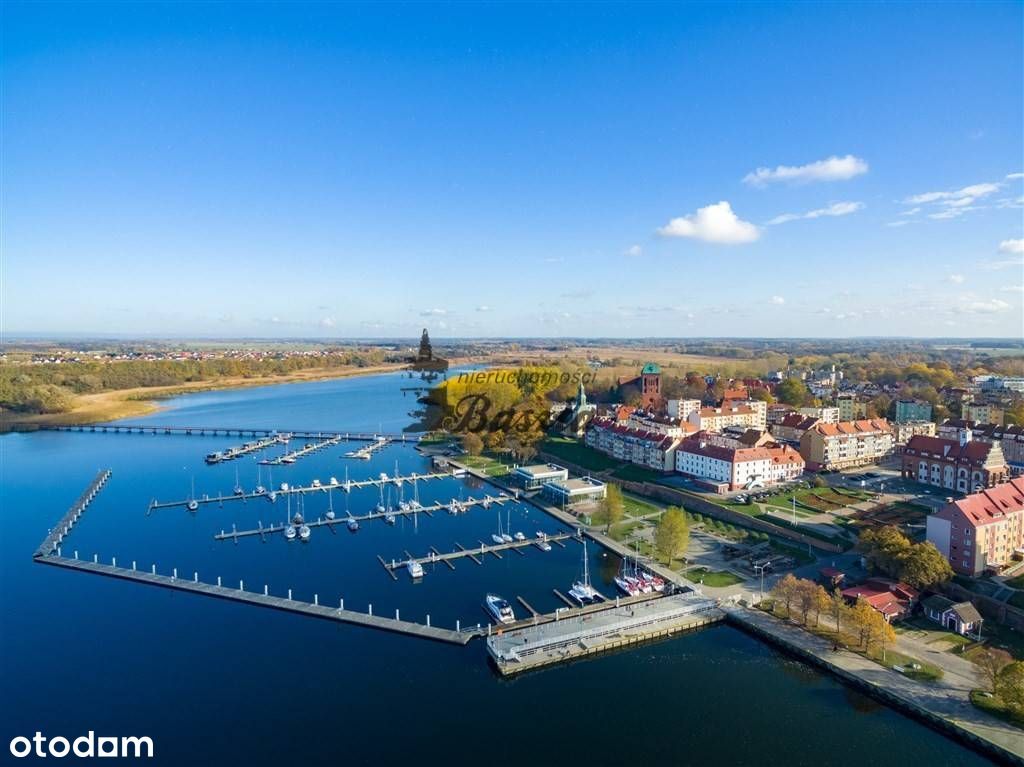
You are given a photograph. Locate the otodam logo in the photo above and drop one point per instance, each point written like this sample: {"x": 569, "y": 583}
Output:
{"x": 85, "y": 746}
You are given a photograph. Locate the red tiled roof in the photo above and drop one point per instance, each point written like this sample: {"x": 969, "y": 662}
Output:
{"x": 866, "y": 426}
{"x": 990, "y": 505}
{"x": 950, "y": 449}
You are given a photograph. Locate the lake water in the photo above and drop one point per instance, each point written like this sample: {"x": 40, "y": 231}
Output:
{"x": 218, "y": 683}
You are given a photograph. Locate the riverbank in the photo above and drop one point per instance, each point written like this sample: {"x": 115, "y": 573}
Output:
{"x": 145, "y": 400}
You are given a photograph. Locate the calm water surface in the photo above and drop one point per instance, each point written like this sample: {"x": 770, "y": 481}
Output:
{"x": 218, "y": 683}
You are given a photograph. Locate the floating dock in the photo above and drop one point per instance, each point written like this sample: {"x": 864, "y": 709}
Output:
{"x": 477, "y": 554}
{"x": 341, "y": 521}
{"x": 56, "y": 536}
{"x": 332, "y": 484}
{"x": 365, "y": 453}
{"x": 514, "y": 650}
{"x": 232, "y": 453}
{"x": 302, "y": 452}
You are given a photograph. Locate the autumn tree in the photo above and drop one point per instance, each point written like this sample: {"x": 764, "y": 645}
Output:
{"x": 614, "y": 506}
{"x": 472, "y": 443}
{"x": 990, "y": 662}
{"x": 672, "y": 535}
{"x": 923, "y": 566}
{"x": 1010, "y": 687}
{"x": 785, "y": 591}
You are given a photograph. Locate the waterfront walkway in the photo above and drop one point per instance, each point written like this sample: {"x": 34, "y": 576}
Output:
{"x": 944, "y": 704}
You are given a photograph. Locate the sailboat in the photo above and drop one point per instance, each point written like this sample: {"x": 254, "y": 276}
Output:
{"x": 505, "y": 536}
{"x": 330, "y": 506}
{"x": 581, "y": 590}
{"x": 626, "y": 579}
{"x": 304, "y": 530}
{"x": 498, "y": 537}
{"x": 192, "y": 504}
{"x": 389, "y": 515}
{"x": 239, "y": 490}
{"x": 289, "y": 528}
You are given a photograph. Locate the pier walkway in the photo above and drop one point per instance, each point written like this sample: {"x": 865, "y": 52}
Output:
{"x": 264, "y": 599}
{"x": 366, "y": 452}
{"x": 478, "y": 553}
{"x": 56, "y": 536}
{"x": 232, "y": 453}
{"x": 225, "y": 431}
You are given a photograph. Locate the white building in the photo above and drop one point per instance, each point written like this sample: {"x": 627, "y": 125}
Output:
{"x": 681, "y": 408}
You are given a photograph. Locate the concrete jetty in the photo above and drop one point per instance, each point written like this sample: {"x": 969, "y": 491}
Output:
{"x": 477, "y": 554}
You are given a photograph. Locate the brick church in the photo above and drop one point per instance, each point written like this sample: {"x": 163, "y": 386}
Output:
{"x": 649, "y": 384}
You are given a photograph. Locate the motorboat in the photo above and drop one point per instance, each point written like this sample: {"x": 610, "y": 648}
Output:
{"x": 272, "y": 496}
{"x": 214, "y": 457}
{"x": 389, "y": 516}
{"x": 352, "y": 523}
{"x": 192, "y": 505}
{"x": 284, "y": 487}
{"x": 415, "y": 568}
{"x": 316, "y": 483}
{"x": 499, "y": 608}
{"x": 519, "y": 537}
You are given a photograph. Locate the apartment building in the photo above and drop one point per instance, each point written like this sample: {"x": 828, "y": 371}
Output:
{"x": 734, "y": 468}
{"x": 792, "y": 427}
{"x": 851, "y": 408}
{"x": 983, "y": 412}
{"x": 913, "y": 410}
{"x": 752, "y": 414}
{"x": 846, "y": 444}
{"x": 823, "y": 414}
{"x": 681, "y": 408}
{"x": 643, "y": 448}
{"x": 983, "y": 531}
{"x": 904, "y": 431}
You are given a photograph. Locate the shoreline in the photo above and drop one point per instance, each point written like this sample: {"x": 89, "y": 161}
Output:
{"x": 144, "y": 400}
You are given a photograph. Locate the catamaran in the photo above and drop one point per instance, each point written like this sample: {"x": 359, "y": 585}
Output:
{"x": 581, "y": 590}
{"x": 499, "y": 608}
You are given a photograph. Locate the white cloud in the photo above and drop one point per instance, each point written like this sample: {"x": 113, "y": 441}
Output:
{"x": 777, "y": 300}
{"x": 1003, "y": 264}
{"x": 961, "y": 197}
{"x": 1013, "y": 176}
{"x": 956, "y": 279}
{"x": 713, "y": 223}
{"x": 832, "y": 169}
{"x": 1012, "y": 289}
{"x": 1011, "y": 246}
{"x": 971, "y": 305}
{"x": 899, "y": 223}
{"x": 327, "y": 322}
{"x": 433, "y": 312}
{"x": 834, "y": 209}
{"x": 911, "y": 212}
{"x": 483, "y": 308}
{"x": 633, "y": 250}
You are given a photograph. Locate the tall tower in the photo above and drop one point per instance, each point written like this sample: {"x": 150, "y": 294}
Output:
{"x": 650, "y": 387}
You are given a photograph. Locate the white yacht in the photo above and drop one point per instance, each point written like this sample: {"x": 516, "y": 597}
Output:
{"x": 192, "y": 505}
{"x": 352, "y": 523}
{"x": 581, "y": 590}
{"x": 304, "y": 532}
{"x": 497, "y": 537}
{"x": 499, "y": 608}
{"x": 289, "y": 532}
{"x": 542, "y": 541}
{"x": 519, "y": 537}
{"x": 415, "y": 568}
{"x": 389, "y": 516}
{"x": 272, "y": 496}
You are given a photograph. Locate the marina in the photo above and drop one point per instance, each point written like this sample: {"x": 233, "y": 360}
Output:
{"x": 56, "y": 535}
{"x": 221, "y": 431}
{"x": 366, "y": 452}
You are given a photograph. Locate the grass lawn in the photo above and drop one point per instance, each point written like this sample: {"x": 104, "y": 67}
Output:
{"x": 636, "y": 507}
{"x": 491, "y": 466}
{"x": 576, "y": 452}
{"x": 632, "y": 473}
{"x": 623, "y": 530}
{"x": 926, "y": 673}
{"x": 994, "y": 706}
{"x": 713, "y": 578}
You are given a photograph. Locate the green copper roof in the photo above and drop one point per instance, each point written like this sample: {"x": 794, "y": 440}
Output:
{"x": 650, "y": 369}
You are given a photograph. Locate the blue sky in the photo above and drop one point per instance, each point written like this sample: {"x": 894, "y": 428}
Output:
{"x": 513, "y": 170}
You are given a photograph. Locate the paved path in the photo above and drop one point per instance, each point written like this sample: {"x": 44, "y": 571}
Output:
{"x": 946, "y": 698}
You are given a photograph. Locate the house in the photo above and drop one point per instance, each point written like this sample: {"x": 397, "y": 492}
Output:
{"x": 983, "y": 531}
{"x": 534, "y": 477}
{"x": 569, "y": 492}
{"x": 893, "y": 600}
{"x": 727, "y": 467}
{"x": 831, "y": 577}
{"x": 842, "y": 445}
{"x": 905, "y": 430}
{"x": 650, "y": 449}
{"x": 963, "y": 464}
{"x": 961, "y": 617}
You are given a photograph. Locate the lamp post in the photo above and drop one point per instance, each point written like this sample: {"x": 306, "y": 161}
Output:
{"x": 760, "y": 570}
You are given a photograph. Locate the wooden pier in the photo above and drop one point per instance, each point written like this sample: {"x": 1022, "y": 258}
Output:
{"x": 332, "y": 484}
{"x": 234, "y": 535}
{"x": 302, "y": 452}
{"x": 477, "y": 554}
{"x": 265, "y": 599}
{"x": 56, "y": 536}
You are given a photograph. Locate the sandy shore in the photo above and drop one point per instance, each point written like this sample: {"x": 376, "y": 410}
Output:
{"x": 144, "y": 400}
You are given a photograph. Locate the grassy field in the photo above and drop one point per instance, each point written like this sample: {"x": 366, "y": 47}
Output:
{"x": 926, "y": 673}
{"x": 573, "y": 451}
{"x": 489, "y": 465}
{"x": 637, "y": 507}
{"x": 713, "y": 578}
{"x": 995, "y": 706}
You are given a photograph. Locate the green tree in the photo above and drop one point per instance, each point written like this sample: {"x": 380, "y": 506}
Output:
{"x": 1010, "y": 687}
{"x": 614, "y": 506}
{"x": 793, "y": 392}
{"x": 672, "y": 535}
